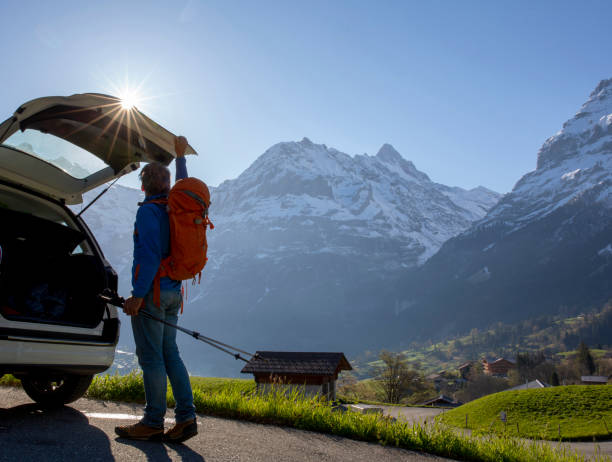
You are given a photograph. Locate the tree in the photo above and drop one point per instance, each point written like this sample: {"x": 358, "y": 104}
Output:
{"x": 554, "y": 379}
{"x": 584, "y": 361}
{"x": 395, "y": 376}
{"x": 480, "y": 384}
{"x": 531, "y": 366}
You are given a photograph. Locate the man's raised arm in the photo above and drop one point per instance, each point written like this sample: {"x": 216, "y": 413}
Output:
{"x": 180, "y": 144}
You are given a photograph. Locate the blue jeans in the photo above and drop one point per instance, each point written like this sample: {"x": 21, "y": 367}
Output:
{"x": 158, "y": 357}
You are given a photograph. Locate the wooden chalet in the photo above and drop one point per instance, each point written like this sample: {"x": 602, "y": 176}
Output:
{"x": 594, "y": 379}
{"x": 465, "y": 369}
{"x": 530, "y": 385}
{"x": 499, "y": 367}
{"x": 314, "y": 373}
{"x": 441, "y": 401}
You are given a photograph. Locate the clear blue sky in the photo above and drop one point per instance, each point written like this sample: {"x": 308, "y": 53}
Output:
{"x": 466, "y": 90}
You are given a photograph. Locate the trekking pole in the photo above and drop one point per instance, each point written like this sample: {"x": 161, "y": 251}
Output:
{"x": 212, "y": 342}
{"x": 118, "y": 301}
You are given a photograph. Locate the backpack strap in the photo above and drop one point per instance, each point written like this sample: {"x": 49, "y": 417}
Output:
{"x": 161, "y": 272}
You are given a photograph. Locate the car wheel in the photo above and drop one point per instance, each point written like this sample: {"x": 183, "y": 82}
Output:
{"x": 56, "y": 391}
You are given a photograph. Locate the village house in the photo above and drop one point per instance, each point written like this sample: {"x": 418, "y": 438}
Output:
{"x": 436, "y": 379}
{"x": 530, "y": 385}
{"x": 499, "y": 367}
{"x": 311, "y": 373}
{"x": 441, "y": 401}
{"x": 465, "y": 369}
{"x": 594, "y": 380}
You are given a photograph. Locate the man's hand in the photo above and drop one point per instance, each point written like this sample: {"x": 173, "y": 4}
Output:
{"x": 180, "y": 144}
{"x": 132, "y": 305}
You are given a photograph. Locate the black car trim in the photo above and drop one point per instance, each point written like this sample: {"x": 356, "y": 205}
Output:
{"x": 60, "y": 342}
{"x": 52, "y": 370}
{"x": 55, "y": 337}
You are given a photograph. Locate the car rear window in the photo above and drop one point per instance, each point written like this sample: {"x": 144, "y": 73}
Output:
{"x": 75, "y": 161}
{"x": 11, "y": 199}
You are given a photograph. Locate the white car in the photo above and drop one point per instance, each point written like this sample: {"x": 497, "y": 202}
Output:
{"x": 56, "y": 331}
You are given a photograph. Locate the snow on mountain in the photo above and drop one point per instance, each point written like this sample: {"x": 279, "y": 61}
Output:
{"x": 320, "y": 191}
{"x": 543, "y": 249}
{"x": 573, "y": 162}
{"x": 302, "y": 184}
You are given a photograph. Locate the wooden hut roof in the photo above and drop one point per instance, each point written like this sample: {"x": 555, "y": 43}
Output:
{"x": 297, "y": 362}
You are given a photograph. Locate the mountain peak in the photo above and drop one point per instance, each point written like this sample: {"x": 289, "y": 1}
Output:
{"x": 606, "y": 83}
{"x": 306, "y": 141}
{"x": 583, "y": 134}
{"x": 388, "y": 153}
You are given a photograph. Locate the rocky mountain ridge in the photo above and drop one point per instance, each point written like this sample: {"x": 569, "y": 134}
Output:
{"x": 542, "y": 249}
{"x": 343, "y": 198}
{"x": 570, "y": 163}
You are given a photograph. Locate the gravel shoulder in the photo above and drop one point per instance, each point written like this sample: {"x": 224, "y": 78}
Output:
{"x": 84, "y": 430}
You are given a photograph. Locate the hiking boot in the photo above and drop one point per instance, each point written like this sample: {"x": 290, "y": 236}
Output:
{"x": 181, "y": 432}
{"x": 141, "y": 432}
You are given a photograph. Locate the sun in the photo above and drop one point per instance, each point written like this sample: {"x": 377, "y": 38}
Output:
{"x": 128, "y": 99}
{"x": 133, "y": 96}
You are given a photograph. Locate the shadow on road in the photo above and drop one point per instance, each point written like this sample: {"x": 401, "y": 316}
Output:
{"x": 158, "y": 452}
{"x": 33, "y": 432}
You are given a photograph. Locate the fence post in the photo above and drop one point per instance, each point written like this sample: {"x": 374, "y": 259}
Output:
{"x": 517, "y": 429}
{"x": 559, "y": 431}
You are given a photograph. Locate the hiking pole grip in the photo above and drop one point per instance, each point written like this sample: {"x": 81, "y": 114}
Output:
{"x": 112, "y": 298}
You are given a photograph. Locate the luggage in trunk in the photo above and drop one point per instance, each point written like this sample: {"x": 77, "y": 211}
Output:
{"x": 44, "y": 276}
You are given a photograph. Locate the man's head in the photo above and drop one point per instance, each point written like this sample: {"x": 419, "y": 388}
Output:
{"x": 155, "y": 179}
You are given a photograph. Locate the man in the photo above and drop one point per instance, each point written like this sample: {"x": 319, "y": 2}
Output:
{"x": 156, "y": 347}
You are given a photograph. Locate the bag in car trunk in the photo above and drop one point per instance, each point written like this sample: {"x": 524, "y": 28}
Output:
{"x": 41, "y": 279}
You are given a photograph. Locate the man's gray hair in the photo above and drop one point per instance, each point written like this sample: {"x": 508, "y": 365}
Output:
{"x": 155, "y": 179}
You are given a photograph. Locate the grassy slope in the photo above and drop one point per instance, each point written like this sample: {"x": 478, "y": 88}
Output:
{"x": 579, "y": 410}
{"x": 129, "y": 387}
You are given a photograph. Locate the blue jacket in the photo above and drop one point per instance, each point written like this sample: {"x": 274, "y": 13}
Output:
{"x": 152, "y": 242}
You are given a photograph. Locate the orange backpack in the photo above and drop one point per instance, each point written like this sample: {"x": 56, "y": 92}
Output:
{"x": 187, "y": 206}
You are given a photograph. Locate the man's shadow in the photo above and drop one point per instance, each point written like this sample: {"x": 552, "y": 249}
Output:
{"x": 158, "y": 452}
{"x": 33, "y": 432}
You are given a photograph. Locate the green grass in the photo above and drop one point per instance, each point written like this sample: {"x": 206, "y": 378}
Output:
{"x": 129, "y": 387}
{"x": 214, "y": 384}
{"x": 594, "y": 352}
{"x": 9, "y": 381}
{"x": 577, "y": 412}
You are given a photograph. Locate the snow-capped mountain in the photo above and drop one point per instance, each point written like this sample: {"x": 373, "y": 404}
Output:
{"x": 572, "y": 162}
{"x": 306, "y": 241}
{"x": 332, "y": 199}
{"x": 543, "y": 248}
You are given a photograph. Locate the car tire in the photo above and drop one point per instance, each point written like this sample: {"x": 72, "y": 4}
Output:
{"x": 56, "y": 391}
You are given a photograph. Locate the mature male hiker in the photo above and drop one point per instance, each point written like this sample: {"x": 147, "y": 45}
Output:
{"x": 156, "y": 347}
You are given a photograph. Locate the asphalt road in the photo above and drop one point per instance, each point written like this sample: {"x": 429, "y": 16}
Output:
{"x": 419, "y": 415}
{"x": 84, "y": 431}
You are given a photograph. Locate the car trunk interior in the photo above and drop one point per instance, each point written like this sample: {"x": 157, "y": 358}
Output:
{"x": 48, "y": 272}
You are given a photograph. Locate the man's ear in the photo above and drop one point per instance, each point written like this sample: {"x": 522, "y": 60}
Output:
{"x": 142, "y": 187}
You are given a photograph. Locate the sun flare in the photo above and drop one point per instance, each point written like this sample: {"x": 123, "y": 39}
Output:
{"x": 128, "y": 100}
